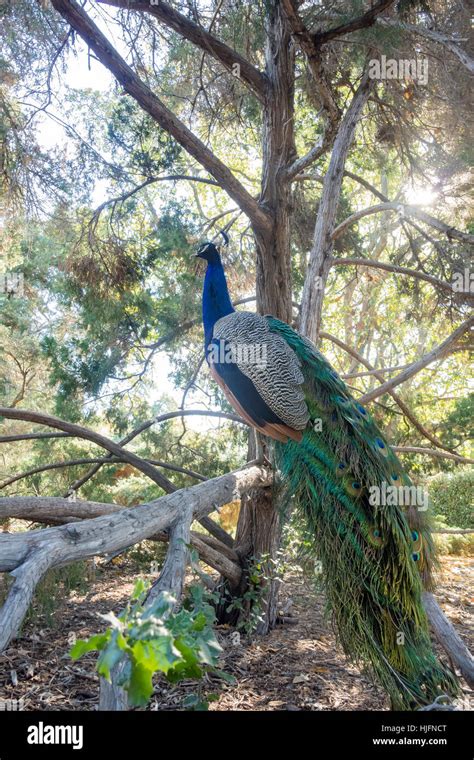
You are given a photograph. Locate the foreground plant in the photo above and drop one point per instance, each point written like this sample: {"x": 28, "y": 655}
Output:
{"x": 179, "y": 644}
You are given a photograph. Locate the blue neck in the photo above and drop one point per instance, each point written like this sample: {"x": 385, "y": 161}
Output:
{"x": 216, "y": 301}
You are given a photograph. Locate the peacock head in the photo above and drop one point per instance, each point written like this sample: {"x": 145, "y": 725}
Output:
{"x": 209, "y": 252}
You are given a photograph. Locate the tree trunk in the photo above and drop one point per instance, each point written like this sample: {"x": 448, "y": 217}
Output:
{"x": 319, "y": 263}
{"x": 259, "y": 526}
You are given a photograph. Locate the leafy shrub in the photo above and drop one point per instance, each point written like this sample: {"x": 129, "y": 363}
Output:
{"x": 452, "y": 543}
{"x": 157, "y": 640}
{"x": 452, "y": 497}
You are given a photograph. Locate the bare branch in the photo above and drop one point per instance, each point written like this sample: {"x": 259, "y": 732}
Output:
{"x": 440, "y": 284}
{"x": 101, "y": 461}
{"x": 172, "y": 575}
{"x": 448, "y": 638}
{"x": 405, "y": 209}
{"x": 398, "y": 400}
{"x": 361, "y": 22}
{"x": 319, "y": 259}
{"x": 59, "y": 511}
{"x": 133, "y": 85}
{"x": 313, "y": 55}
{"x": 450, "y": 43}
{"x": 89, "y": 435}
{"x": 215, "y": 530}
{"x": 32, "y": 437}
{"x": 433, "y": 453}
{"x": 215, "y": 559}
{"x": 145, "y": 426}
{"x": 439, "y": 352}
{"x": 311, "y": 156}
{"x": 35, "y": 551}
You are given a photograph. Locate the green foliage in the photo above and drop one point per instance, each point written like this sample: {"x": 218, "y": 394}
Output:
{"x": 250, "y": 605}
{"x": 458, "y": 426}
{"x": 158, "y": 639}
{"x": 455, "y": 544}
{"x": 298, "y": 549}
{"x": 139, "y": 143}
{"x": 452, "y": 497}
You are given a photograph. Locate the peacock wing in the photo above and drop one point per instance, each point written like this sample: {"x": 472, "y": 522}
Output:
{"x": 251, "y": 356}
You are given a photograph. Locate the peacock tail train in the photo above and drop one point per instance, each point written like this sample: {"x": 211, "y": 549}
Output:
{"x": 376, "y": 558}
{"x": 368, "y": 529}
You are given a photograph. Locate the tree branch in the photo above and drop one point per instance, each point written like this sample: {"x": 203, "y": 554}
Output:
{"x": 171, "y": 581}
{"x": 149, "y": 423}
{"x": 319, "y": 259}
{"x": 403, "y": 208}
{"x": 59, "y": 511}
{"x": 32, "y": 437}
{"x": 215, "y": 559}
{"x": 361, "y": 22}
{"x": 108, "y": 56}
{"x": 31, "y": 554}
{"x": 430, "y": 34}
{"x": 448, "y": 638}
{"x": 399, "y": 401}
{"x": 89, "y": 435}
{"x": 440, "y": 284}
{"x": 433, "y": 453}
{"x": 200, "y": 37}
{"x": 101, "y": 461}
{"x": 439, "y": 352}
{"x": 313, "y": 55}
{"x": 311, "y": 156}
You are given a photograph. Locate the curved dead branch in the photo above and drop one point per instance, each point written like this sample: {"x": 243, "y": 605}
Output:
{"x": 450, "y": 43}
{"x": 89, "y": 435}
{"x": 29, "y": 555}
{"x": 372, "y": 264}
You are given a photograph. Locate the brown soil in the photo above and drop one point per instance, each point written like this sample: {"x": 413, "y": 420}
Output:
{"x": 297, "y": 667}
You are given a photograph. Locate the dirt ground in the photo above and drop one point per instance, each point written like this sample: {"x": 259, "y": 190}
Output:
{"x": 297, "y": 667}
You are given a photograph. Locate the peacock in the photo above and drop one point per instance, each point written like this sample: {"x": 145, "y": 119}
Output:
{"x": 331, "y": 459}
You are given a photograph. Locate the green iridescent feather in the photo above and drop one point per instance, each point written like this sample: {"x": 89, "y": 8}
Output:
{"x": 376, "y": 559}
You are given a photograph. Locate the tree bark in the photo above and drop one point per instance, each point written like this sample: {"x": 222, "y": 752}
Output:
{"x": 27, "y": 556}
{"x": 259, "y": 525}
{"x": 321, "y": 251}
{"x": 448, "y": 638}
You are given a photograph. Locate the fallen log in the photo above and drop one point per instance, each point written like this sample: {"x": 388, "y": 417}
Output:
{"x": 27, "y": 556}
